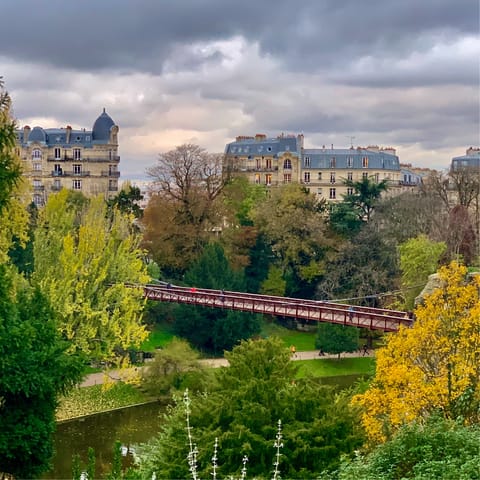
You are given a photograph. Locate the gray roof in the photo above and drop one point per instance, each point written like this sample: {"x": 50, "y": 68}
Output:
{"x": 348, "y": 158}
{"x": 471, "y": 160}
{"x": 58, "y": 136}
{"x": 267, "y": 146}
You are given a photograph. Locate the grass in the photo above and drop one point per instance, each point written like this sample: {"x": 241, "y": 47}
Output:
{"x": 303, "y": 341}
{"x": 159, "y": 337}
{"x": 329, "y": 367}
{"x": 87, "y": 400}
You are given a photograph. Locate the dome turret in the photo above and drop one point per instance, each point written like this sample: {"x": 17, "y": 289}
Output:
{"x": 101, "y": 127}
{"x": 37, "y": 135}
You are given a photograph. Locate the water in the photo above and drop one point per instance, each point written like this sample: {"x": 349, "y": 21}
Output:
{"x": 129, "y": 425}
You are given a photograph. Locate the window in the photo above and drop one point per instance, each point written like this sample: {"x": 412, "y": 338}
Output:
{"x": 77, "y": 169}
{"x": 376, "y": 177}
{"x": 306, "y": 177}
{"x": 36, "y": 153}
{"x": 57, "y": 185}
{"x": 319, "y": 191}
{"x": 77, "y": 154}
{"x": 332, "y": 177}
{"x": 365, "y": 162}
{"x": 77, "y": 184}
{"x": 57, "y": 170}
{"x": 269, "y": 149}
{"x": 350, "y": 176}
{"x": 349, "y": 191}
{"x": 268, "y": 179}
{"x": 307, "y": 162}
{"x": 287, "y": 164}
{"x": 333, "y": 194}
{"x": 364, "y": 175}
{"x": 268, "y": 163}
{"x": 287, "y": 177}
{"x": 333, "y": 162}
{"x": 38, "y": 200}
{"x": 112, "y": 185}
{"x": 37, "y": 183}
{"x": 58, "y": 153}
{"x": 319, "y": 175}
{"x": 349, "y": 162}
{"x": 37, "y": 166}
{"x": 257, "y": 178}
{"x": 258, "y": 164}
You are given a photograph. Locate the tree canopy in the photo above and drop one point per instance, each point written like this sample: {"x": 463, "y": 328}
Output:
{"x": 434, "y": 365}
{"x": 336, "y": 339}
{"x": 83, "y": 257}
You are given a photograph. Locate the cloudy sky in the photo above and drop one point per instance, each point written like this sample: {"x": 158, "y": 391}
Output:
{"x": 402, "y": 73}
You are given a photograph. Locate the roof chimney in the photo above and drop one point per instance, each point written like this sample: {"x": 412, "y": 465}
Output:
{"x": 26, "y": 133}
{"x": 69, "y": 131}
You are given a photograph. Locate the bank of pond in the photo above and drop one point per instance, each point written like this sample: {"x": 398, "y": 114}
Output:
{"x": 136, "y": 424}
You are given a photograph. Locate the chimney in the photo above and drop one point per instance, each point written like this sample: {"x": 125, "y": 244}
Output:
{"x": 69, "y": 132}
{"x": 26, "y": 133}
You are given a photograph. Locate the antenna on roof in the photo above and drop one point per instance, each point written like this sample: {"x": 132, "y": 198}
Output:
{"x": 351, "y": 141}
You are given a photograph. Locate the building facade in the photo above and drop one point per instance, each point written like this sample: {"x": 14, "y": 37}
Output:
{"x": 470, "y": 160}
{"x": 81, "y": 160}
{"x": 280, "y": 160}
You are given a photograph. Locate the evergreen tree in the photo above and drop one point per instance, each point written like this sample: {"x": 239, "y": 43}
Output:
{"x": 336, "y": 339}
{"x": 214, "y": 329}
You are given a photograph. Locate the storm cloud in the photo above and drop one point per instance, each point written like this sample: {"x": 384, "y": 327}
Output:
{"x": 404, "y": 74}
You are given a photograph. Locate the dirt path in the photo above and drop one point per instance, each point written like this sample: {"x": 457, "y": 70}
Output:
{"x": 98, "y": 378}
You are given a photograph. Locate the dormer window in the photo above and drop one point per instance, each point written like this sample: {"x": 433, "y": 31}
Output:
{"x": 77, "y": 154}
{"x": 365, "y": 162}
{"x": 333, "y": 162}
{"x": 287, "y": 164}
{"x": 307, "y": 162}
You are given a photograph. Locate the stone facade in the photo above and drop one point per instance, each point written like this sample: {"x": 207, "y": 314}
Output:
{"x": 280, "y": 160}
{"x": 81, "y": 160}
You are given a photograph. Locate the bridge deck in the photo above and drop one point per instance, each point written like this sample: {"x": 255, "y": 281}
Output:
{"x": 301, "y": 309}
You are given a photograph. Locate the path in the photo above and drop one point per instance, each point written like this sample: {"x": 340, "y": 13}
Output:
{"x": 98, "y": 378}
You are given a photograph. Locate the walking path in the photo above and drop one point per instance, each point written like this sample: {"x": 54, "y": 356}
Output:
{"x": 98, "y": 378}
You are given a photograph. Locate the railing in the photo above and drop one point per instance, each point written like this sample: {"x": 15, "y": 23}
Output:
{"x": 70, "y": 173}
{"x": 68, "y": 158}
{"x": 301, "y": 309}
{"x": 110, "y": 174}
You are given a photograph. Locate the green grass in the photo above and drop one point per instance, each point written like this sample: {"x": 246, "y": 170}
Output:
{"x": 159, "y": 337}
{"x": 329, "y": 367}
{"x": 303, "y": 341}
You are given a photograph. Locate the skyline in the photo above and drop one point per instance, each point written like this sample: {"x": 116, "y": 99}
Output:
{"x": 401, "y": 74}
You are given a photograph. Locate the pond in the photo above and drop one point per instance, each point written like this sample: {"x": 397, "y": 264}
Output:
{"x": 130, "y": 426}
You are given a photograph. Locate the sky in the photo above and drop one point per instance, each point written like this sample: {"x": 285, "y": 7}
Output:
{"x": 401, "y": 73}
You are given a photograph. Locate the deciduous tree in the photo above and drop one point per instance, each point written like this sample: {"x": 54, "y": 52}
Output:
{"x": 82, "y": 260}
{"x": 336, "y": 339}
{"x": 434, "y": 365}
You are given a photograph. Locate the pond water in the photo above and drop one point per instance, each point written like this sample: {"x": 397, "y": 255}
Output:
{"x": 130, "y": 426}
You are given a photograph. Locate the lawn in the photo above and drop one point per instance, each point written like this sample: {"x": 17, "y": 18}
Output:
{"x": 303, "y": 341}
{"x": 330, "y": 367}
{"x": 159, "y": 337}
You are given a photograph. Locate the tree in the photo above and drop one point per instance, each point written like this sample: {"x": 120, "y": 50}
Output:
{"x": 242, "y": 413}
{"x": 336, "y": 339}
{"x": 126, "y": 200}
{"x": 434, "y": 365}
{"x": 461, "y": 238}
{"x": 362, "y": 268}
{"x": 172, "y": 367}
{"x": 440, "y": 449}
{"x": 366, "y": 193}
{"x": 210, "y": 328}
{"x": 419, "y": 258}
{"x": 35, "y": 371}
{"x": 13, "y": 215}
{"x": 83, "y": 258}
{"x": 292, "y": 221}
{"x": 189, "y": 181}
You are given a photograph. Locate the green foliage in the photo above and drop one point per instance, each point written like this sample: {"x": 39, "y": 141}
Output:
{"x": 35, "y": 370}
{"x": 82, "y": 258}
{"x": 365, "y": 196}
{"x": 419, "y": 258}
{"x": 441, "y": 449}
{"x": 242, "y": 412}
{"x": 126, "y": 201}
{"x": 274, "y": 284}
{"x": 345, "y": 219}
{"x": 98, "y": 398}
{"x": 171, "y": 368}
{"x": 336, "y": 339}
{"x": 214, "y": 329}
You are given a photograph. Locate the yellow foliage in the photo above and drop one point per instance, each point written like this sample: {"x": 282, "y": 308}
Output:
{"x": 430, "y": 365}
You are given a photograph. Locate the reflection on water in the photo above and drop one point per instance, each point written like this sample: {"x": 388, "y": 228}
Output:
{"x": 129, "y": 425}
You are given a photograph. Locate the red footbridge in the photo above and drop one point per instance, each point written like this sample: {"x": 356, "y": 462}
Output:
{"x": 297, "y": 308}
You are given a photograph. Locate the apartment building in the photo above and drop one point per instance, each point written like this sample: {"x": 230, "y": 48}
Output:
{"x": 283, "y": 159}
{"x": 81, "y": 160}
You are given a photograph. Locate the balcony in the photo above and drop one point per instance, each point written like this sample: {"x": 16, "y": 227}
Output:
{"x": 114, "y": 174}
{"x": 69, "y": 158}
{"x": 113, "y": 188}
{"x": 70, "y": 173}
{"x": 38, "y": 188}
{"x": 56, "y": 188}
